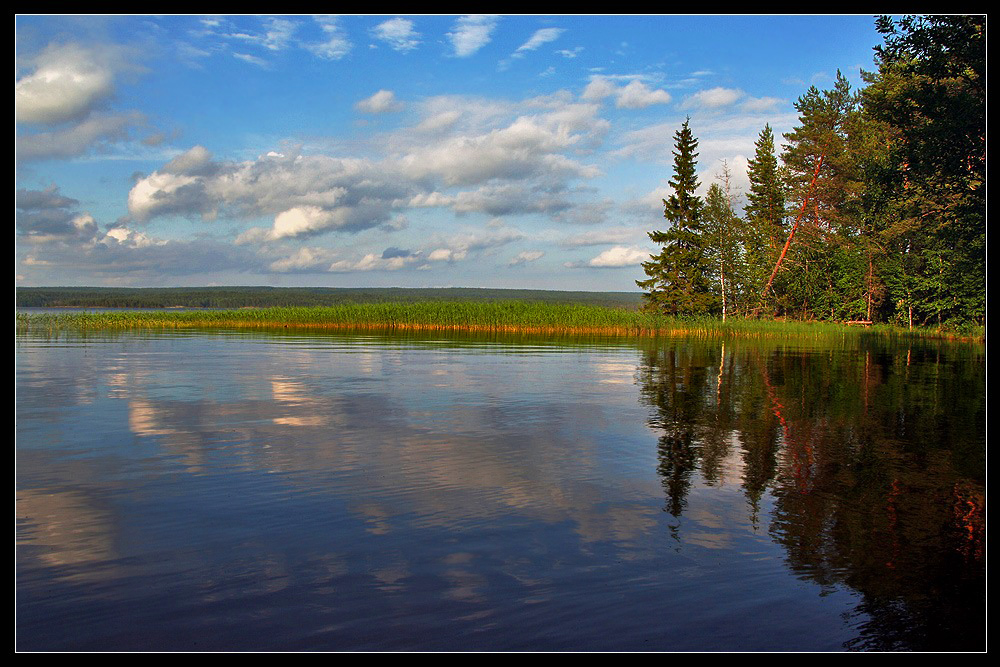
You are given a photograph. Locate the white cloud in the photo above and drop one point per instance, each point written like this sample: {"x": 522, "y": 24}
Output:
{"x": 303, "y": 259}
{"x": 442, "y": 121}
{"x": 130, "y": 238}
{"x": 336, "y": 45}
{"x": 714, "y": 98}
{"x": 156, "y": 193}
{"x": 354, "y": 193}
{"x": 459, "y": 247}
{"x": 636, "y": 95}
{"x": 599, "y": 88}
{"x": 619, "y": 256}
{"x": 67, "y": 83}
{"x": 531, "y": 146}
{"x": 305, "y": 220}
{"x": 374, "y": 262}
{"x": 540, "y": 37}
{"x": 278, "y": 34}
{"x": 398, "y": 33}
{"x": 526, "y": 256}
{"x": 761, "y": 103}
{"x": 471, "y": 33}
{"x": 253, "y": 60}
{"x": 384, "y": 101}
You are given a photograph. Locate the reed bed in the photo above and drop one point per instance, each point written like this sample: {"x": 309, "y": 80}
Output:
{"x": 494, "y": 316}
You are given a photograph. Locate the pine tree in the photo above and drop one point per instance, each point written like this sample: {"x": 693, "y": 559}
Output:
{"x": 825, "y": 274}
{"x": 679, "y": 282}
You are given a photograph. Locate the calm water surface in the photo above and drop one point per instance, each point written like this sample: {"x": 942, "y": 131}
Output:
{"x": 253, "y": 491}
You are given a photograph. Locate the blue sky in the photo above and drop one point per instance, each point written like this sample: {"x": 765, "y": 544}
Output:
{"x": 415, "y": 151}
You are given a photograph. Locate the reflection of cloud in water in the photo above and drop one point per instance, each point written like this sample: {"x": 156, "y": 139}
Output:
{"x": 465, "y": 584}
{"x": 293, "y": 395}
{"x": 68, "y": 529}
{"x": 615, "y": 372}
{"x": 144, "y": 420}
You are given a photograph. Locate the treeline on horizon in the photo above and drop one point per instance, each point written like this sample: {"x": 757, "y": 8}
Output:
{"x": 873, "y": 210}
{"x": 269, "y": 297}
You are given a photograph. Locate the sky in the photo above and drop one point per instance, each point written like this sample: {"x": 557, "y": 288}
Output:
{"x": 376, "y": 151}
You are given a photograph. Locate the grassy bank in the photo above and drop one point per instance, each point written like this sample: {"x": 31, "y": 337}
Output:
{"x": 501, "y": 316}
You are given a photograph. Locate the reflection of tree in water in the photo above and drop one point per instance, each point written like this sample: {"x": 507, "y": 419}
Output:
{"x": 874, "y": 458}
{"x": 673, "y": 384}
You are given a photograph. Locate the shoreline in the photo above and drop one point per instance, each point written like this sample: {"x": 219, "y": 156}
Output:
{"x": 505, "y": 317}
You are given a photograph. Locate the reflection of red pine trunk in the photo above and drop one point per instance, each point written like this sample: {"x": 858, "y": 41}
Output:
{"x": 970, "y": 519}
{"x": 802, "y": 454}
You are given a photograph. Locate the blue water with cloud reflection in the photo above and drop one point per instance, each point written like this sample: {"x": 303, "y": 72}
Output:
{"x": 289, "y": 491}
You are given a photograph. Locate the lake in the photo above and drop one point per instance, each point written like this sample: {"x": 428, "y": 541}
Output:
{"x": 290, "y": 491}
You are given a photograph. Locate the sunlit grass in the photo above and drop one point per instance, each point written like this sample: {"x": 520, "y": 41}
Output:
{"x": 496, "y": 316}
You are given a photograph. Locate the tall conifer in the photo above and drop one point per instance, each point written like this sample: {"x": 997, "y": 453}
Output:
{"x": 678, "y": 281}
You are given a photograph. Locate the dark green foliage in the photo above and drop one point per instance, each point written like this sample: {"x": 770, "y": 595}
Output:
{"x": 929, "y": 92}
{"x": 679, "y": 276}
{"x": 766, "y": 199}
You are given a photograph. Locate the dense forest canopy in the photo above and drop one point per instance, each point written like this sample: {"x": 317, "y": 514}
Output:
{"x": 872, "y": 208}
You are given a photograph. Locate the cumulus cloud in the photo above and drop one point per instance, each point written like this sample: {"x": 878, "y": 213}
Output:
{"x": 398, "y": 33}
{"x": 43, "y": 216}
{"x": 384, "y": 101}
{"x": 439, "y": 122}
{"x": 599, "y": 88}
{"x": 306, "y": 195}
{"x": 52, "y": 232}
{"x": 61, "y": 102}
{"x": 162, "y": 193}
{"x": 713, "y": 98}
{"x": 634, "y": 95}
{"x": 460, "y": 246}
{"x": 616, "y": 257}
{"x": 496, "y": 159}
{"x": 304, "y": 259}
{"x": 197, "y": 160}
{"x": 374, "y": 262}
{"x": 67, "y": 82}
{"x": 471, "y": 33}
{"x": 637, "y": 95}
{"x": 529, "y": 147}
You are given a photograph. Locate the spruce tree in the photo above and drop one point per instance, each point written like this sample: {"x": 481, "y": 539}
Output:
{"x": 766, "y": 198}
{"x": 679, "y": 276}
{"x": 764, "y": 232}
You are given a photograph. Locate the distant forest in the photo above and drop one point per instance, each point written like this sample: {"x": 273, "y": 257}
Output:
{"x": 265, "y": 297}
